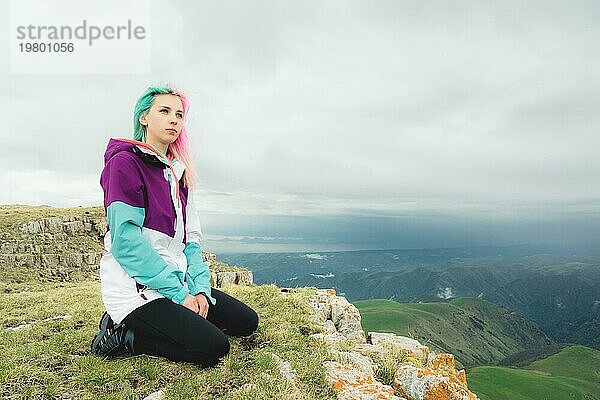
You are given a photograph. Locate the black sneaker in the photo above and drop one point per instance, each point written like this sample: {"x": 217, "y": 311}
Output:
{"x": 112, "y": 340}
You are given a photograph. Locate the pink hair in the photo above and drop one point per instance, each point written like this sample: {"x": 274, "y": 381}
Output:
{"x": 181, "y": 147}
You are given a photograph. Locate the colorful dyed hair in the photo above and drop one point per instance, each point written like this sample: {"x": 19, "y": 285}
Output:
{"x": 180, "y": 148}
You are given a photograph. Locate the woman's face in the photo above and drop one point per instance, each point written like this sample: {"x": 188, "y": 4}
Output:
{"x": 164, "y": 120}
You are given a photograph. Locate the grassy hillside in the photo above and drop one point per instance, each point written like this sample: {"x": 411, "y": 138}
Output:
{"x": 477, "y": 332}
{"x": 528, "y": 356}
{"x": 573, "y": 373}
{"x": 46, "y": 330}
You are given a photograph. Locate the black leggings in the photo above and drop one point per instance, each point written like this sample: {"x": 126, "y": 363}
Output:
{"x": 170, "y": 330}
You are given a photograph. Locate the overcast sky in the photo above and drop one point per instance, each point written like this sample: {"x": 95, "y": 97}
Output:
{"x": 343, "y": 124}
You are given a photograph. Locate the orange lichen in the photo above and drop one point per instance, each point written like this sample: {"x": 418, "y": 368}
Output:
{"x": 338, "y": 385}
{"x": 444, "y": 361}
{"x": 354, "y": 384}
{"x": 445, "y": 385}
{"x": 438, "y": 392}
{"x": 443, "y": 391}
{"x": 421, "y": 372}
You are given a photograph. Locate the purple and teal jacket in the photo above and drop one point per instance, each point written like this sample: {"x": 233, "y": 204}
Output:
{"x": 152, "y": 246}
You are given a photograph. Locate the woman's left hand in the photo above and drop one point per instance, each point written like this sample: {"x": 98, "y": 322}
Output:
{"x": 202, "y": 305}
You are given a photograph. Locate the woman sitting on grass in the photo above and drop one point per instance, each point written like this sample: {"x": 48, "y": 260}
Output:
{"x": 155, "y": 284}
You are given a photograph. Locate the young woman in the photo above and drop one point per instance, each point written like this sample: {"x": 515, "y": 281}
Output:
{"x": 155, "y": 284}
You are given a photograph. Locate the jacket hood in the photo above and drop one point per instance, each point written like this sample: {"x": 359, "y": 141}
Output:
{"x": 146, "y": 152}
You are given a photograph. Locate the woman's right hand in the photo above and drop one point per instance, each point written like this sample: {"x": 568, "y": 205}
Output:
{"x": 191, "y": 303}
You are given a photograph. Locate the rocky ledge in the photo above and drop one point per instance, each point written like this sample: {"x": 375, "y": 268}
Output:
{"x": 415, "y": 372}
{"x": 69, "y": 248}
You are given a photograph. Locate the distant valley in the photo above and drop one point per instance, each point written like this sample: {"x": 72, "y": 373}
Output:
{"x": 555, "y": 288}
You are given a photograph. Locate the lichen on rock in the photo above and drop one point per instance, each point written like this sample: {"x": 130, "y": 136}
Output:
{"x": 416, "y": 372}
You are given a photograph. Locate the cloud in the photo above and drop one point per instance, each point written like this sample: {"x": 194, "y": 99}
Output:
{"x": 390, "y": 109}
{"x": 315, "y": 256}
{"x": 48, "y": 187}
{"x": 445, "y": 293}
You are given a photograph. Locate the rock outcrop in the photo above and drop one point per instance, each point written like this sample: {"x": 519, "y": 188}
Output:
{"x": 418, "y": 372}
{"x": 55, "y": 246}
{"x": 70, "y": 247}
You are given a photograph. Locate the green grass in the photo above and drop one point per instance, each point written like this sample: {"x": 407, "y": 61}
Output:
{"x": 577, "y": 362}
{"x": 390, "y": 315}
{"x": 573, "y": 373}
{"x": 58, "y": 308}
{"x": 50, "y": 358}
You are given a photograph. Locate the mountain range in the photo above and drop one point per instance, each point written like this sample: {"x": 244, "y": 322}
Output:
{"x": 553, "y": 287}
